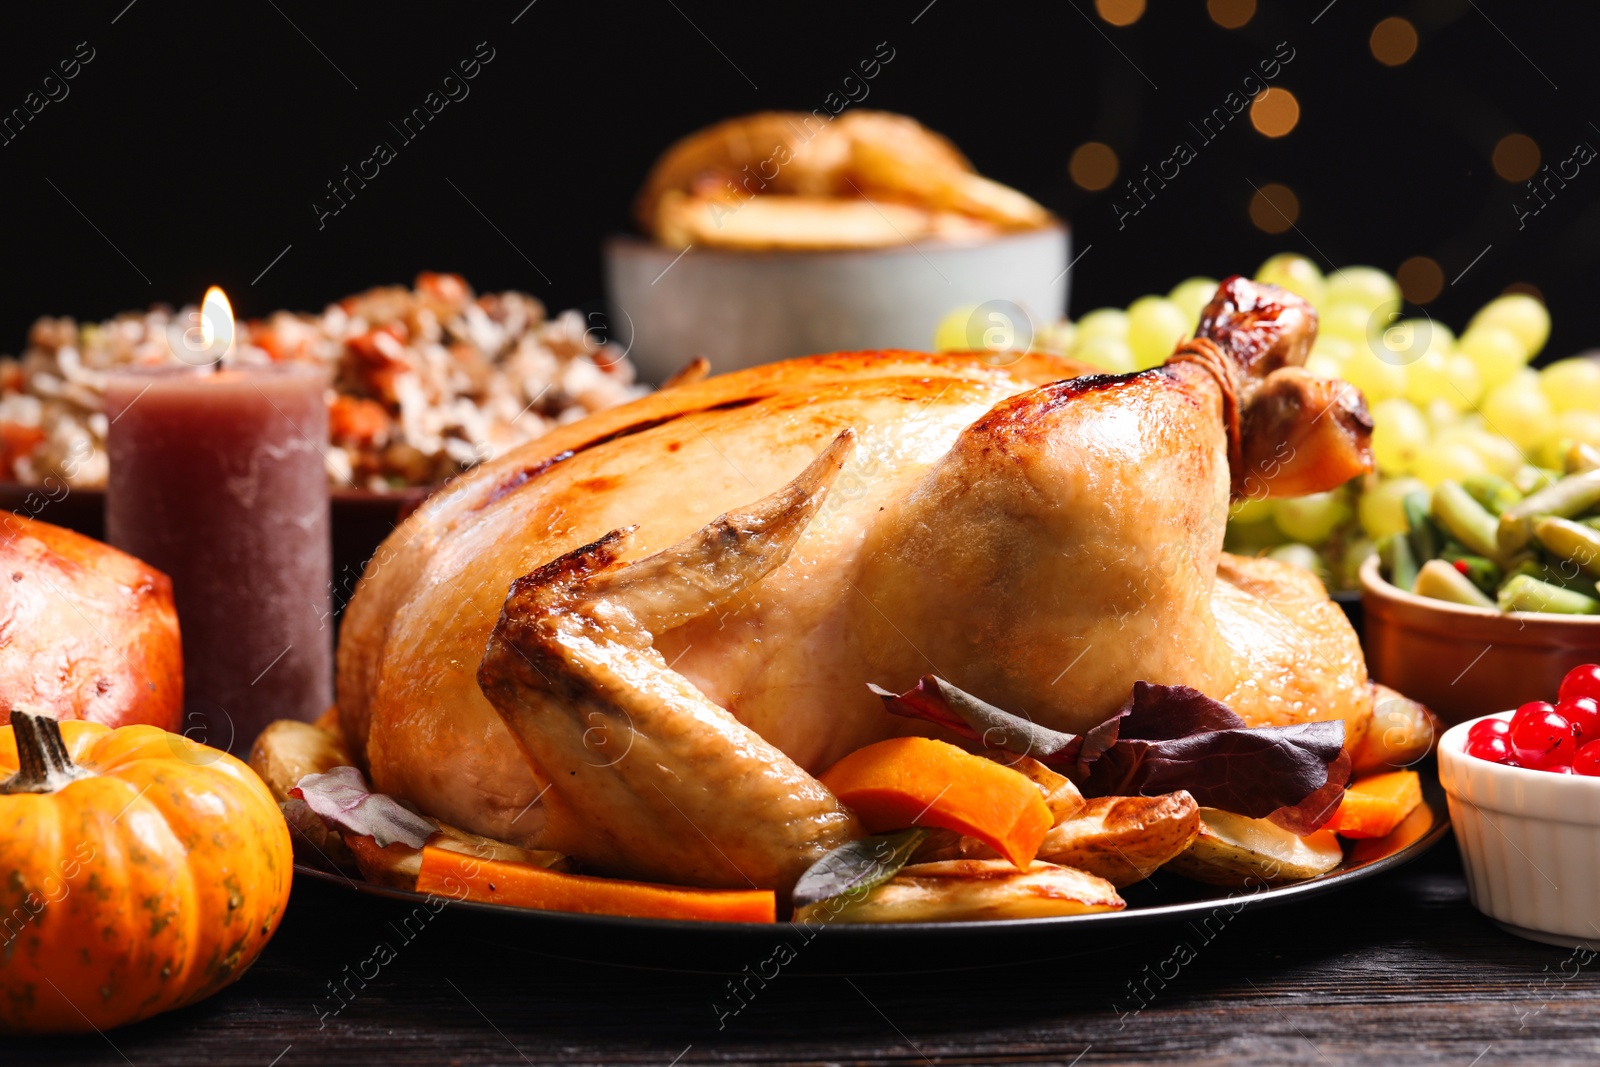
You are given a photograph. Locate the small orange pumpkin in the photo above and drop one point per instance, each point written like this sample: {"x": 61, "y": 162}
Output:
{"x": 139, "y": 872}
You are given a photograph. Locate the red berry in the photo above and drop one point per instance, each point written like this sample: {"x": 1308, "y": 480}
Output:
{"x": 1581, "y": 681}
{"x": 1587, "y": 761}
{"x": 1560, "y": 768}
{"x": 1528, "y": 712}
{"x": 1488, "y": 728}
{"x": 1493, "y": 748}
{"x": 1584, "y": 715}
{"x": 1461, "y": 566}
{"x": 1540, "y": 736}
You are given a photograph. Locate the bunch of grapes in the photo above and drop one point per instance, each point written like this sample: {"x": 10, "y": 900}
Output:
{"x": 1445, "y": 407}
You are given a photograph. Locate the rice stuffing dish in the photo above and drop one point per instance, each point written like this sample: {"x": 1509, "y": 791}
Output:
{"x": 426, "y": 381}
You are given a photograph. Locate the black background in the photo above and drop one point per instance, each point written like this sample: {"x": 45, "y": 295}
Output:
{"x": 190, "y": 150}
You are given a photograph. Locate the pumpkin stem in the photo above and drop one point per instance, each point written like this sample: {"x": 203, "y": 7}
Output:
{"x": 43, "y": 763}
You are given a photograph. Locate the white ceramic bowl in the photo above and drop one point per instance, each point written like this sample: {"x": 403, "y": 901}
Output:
{"x": 741, "y": 309}
{"x": 1530, "y": 841}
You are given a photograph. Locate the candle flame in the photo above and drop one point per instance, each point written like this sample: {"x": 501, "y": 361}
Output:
{"x": 216, "y": 322}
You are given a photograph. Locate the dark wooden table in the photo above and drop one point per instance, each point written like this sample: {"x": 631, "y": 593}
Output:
{"x": 1398, "y": 969}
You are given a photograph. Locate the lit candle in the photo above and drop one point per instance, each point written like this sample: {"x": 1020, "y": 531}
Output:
{"x": 217, "y": 479}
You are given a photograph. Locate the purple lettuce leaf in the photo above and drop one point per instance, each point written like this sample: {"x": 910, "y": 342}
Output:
{"x": 937, "y": 701}
{"x": 343, "y": 800}
{"x": 1165, "y": 738}
{"x": 1320, "y": 805}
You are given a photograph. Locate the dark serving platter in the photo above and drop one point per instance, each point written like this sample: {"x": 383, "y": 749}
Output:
{"x": 884, "y": 948}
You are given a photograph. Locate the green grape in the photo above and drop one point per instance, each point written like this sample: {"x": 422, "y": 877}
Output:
{"x": 1251, "y": 538}
{"x": 951, "y": 333}
{"x": 1448, "y": 461}
{"x": 1497, "y": 352}
{"x": 1311, "y": 518}
{"x": 1250, "y": 509}
{"x": 1499, "y": 455}
{"x": 1304, "y": 557}
{"x": 1349, "y": 321}
{"x": 1382, "y": 509}
{"x": 1521, "y": 314}
{"x": 1104, "y": 322}
{"x": 1059, "y": 338}
{"x": 1441, "y": 415}
{"x": 1428, "y": 379}
{"x": 1339, "y": 348}
{"x": 1107, "y": 353}
{"x": 1324, "y": 365}
{"x": 1466, "y": 381}
{"x": 1192, "y": 295}
{"x": 1440, "y": 336}
{"x": 1367, "y": 287}
{"x": 1355, "y": 554}
{"x": 1408, "y": 340}
{"x": 1572, "y": 385}
{"x": 1378, "y": 379}
{"x": 1519, "y": 412}
{"x": 1329, "y": 356}
{"x": 1399, "y": 435}
{"x": 1583, "y": 427}
{"x": 1294, "y": 273}
{"x": 1155, "y": 327}
{"x": 1551, "y": 452}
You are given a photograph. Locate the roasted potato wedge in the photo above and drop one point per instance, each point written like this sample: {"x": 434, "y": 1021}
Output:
{"x": 1402, "y": 732}
{"x": 970, "y": 891}
{"x": 1060, "y": 795}
{"x": 487, "y": 848}
{"x": 286, "y": 751}
{"x": 1121, "y": 839}
{"x": 1124, "y": 839}
{"x": 398, "y": 864}
{"x": 395, "y": 865}
{"x": 1232, "y": 850}
{"x": 315, "y": 844}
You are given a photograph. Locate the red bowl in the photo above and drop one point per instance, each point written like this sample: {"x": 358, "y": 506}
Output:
{"x": 1463, "y": 661}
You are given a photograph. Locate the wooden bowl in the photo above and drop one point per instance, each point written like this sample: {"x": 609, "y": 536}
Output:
{"x": 743, "y": 308}
{"x": 1462, "y": 661}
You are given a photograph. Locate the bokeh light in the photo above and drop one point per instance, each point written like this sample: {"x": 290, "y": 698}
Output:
{"x": 1393, "y": 41}
{"x": 1274, "y": 208}
{"x": 1421, "y": 279}
{"x": 1275, "y": 112}
{"x": 1093, "y": 166}
{"x": 1120, "y": 12}
{"x": 1231, "y": 14}
{"x": 1516, "y": 157}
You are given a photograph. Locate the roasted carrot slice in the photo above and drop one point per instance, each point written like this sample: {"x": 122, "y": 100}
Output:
{"x": 460, "y": 876}
{"x": 917, "y": 781}
{"x": 1373, "y": 807}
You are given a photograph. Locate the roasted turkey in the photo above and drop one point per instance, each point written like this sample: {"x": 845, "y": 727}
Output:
{"x": 703, "y": 583}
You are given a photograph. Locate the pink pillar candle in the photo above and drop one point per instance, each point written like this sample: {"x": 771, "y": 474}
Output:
{"x": 217, "y": 479}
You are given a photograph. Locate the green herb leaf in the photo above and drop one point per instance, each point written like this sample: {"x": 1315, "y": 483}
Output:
{"x": 857, "y": 868}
